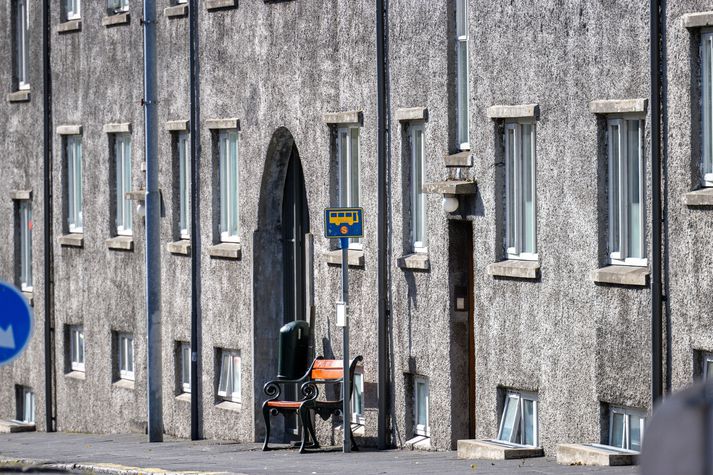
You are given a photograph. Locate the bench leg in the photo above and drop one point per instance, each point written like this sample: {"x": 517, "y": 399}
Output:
{"x": 310, "y": 427}
{"x": 355, "y": 447}
{"x": 266, "y": 415}
{"x": 306, "y": 432}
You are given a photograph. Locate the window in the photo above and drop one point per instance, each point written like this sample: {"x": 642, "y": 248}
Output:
{"x": 462, "y": 71}
{"x": 76, "y": 348}
{"x": 229, "y": 186}
{"x": 518, "y": 423}
{"x": 72, "y": 10}
{"x": 126, "y": 356}
{"x": 184, "y": 370}
{"x": 114, "y": 7}
{"x": 229, "y": 383}
{"x": 25, "y": 245}
{"x": 75, "y": 194}
{"x": 520, "y": 191}
{"x": 626, "y": 192}
{"x": 626, "y": 428}
{"x": 358, "y": 397}
{"x": 25, "y": 404}
{"x": 348, "y": 157}
{"x": 707, "y": 102}
{"x": 420, "y": 405}
{"x": 122, "y": 162}
{"x": 184, "y": 177}
{"x": 22, "y": 55}
{"x": 418, "y": 197}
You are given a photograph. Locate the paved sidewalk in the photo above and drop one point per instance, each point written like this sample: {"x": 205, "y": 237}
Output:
{"x": 131, "y": 454}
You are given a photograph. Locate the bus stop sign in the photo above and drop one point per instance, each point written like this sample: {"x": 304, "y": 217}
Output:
{"x": 15, "y": 323}
{"x": 343, "y": 223}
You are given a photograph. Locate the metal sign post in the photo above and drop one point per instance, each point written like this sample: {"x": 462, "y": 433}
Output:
{"x": 343, "y": 224}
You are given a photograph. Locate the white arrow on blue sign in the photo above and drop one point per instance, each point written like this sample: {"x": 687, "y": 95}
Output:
{"x": 15, "y": 323}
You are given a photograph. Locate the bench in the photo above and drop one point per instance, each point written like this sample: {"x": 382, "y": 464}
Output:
{"x": 322, "y": 372}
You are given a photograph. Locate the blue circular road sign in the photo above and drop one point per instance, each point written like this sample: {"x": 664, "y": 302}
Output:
{"x": 15, "y": 323}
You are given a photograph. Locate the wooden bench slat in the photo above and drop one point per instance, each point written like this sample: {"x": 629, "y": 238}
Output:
{"x": 322, "y": 364}
{"x": 286, "y": 404}
{"x": 327, "y": 373}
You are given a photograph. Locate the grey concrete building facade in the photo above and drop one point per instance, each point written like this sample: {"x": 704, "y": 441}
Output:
{"x": 471, "y": 319}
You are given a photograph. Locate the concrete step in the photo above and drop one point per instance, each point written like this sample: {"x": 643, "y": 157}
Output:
{"x": 488, "y": 449}
{"x": 10, "y": 427}
{"x": 595, "y": 454}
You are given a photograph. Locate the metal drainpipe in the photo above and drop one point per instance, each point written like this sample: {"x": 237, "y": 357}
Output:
{"x": 153, "y": 228}
{"x": 656, "y": 270}
{"x": 382, "y": 226}
{"x": 47, "y": 215}
{"x": 195, "y": 236}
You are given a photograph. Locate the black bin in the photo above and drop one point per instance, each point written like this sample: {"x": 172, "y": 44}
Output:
{"x": 293, "y": 352}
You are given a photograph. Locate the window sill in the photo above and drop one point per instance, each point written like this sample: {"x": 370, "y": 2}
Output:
{"x": 11, "y": 427}
{"x": 121, "y": 243}
{"x": 622, "y": 275}
{"x": 179, "y": 248}
{"x": 118, "y": 19}
{"x": 415, "y": 261}
{"x": 29, "y": 297}
{"x": 176, "y": 11}
{"x": 19, "y": 96}
{"x": 496, "y": 450}
{"x": 74, "y": 374}
{"x": 220, "y": 4}
{"x": 185, "y": 397}
{"x": 602, "y": 456}
{"x": 515, "y": 269}
{"x": 69, "y": 26}
{"x": 702, "y": 197}
{"x": 124, "y": 384}
{"x": 419, "y": 442}
{"x": 226, "y": 250}
{"x": 230, "y": 406}
{"x": 71, "y": 240}
{"x": 355, "y": 258}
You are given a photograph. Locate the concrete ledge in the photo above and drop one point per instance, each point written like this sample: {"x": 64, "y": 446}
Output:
{"x": 348, "y": 117}
{"x": 515, "y": 269}
{"x": 496, "y": 450}
{"x": 460, "y": 159}
{"x": 11, "y": 427}
{"x": 177, "y": 125}
{"x": 69, "y": 26}
{"x": 226, "y": 250}
{"x": 697, "y": 20}
{"x": 135, "y": 195}
{"x": 450, "y": 187}
{"x": 702, "y": 197}
{"x": 181, "y": 248}
{"x": 622, "y": 275}
{"x": 19, "y": 96}
{"x": 119, "y": 128}
{"x": 71, "y": 240}
{"x": 123, "y": 384}
{"x": 118, "y": 19}
{"x": 597, "y": 455}
{"x": 78, "y": 375}
{"x": 121, "y": 243}
{"x": 30, "y": 298}
{"x": 222, "y": 124}
{"x": 69, "y": 130}
{"x": 619, "y": 106}
{"x": 416, "y": 261}
{"x": 522, "y": 111}
{"x": 420, "y": 442}
{"x": 218, "y": 4}
{"x": 412, "y": 113}
{"x": 355, "y": 258}
{"x": 20, "y": 194}
{"x": 230, "y": 406}
{"x": 176, "y": 11}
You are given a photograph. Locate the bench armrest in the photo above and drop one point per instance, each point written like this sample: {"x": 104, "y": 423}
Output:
{"x": 273, "y": 388}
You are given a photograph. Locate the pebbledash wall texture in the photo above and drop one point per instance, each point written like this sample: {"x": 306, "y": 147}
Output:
{"x": 292, "y": 87}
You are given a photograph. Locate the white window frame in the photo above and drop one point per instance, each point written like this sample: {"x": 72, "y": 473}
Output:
{"x": 628, "y": 413}
{"x": 115, "y": 7}
{"x": 419, "y": 226}
{"x": 25, "y": 245}
{"x": 462, "y": 78}
{"x": 184, "y": 374}
{"x": 181, "y": 2}
{"x": 76, "y": 347}
{"x": 22, "y": 55}
{"x": 515, "y": 231}
{"x": 184, "y": 180}
{"x": 122, "y": 164}
{"x": 349, "y": 166}
{"x": 516, "y": 434}
{"x": 706, "y": 164}
{"x": 72, "y": 9}
{"x": 621, "y": 186}
{"x": 706, "y": 358}
{"x": 229, "y": 375}
{"x": 26, "y": 405}
{"x": 229, "y": 186}
{"x": 125, "y": 357}
{"x": 421, "y": 429}
{"x": 358, "y": 410}
{"x": 75, "y": 186}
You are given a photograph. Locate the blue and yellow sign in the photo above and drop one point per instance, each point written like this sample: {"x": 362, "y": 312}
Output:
{"x": 343, "y": 222}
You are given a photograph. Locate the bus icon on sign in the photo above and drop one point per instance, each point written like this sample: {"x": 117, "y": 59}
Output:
{"x": 343, "y": 222}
